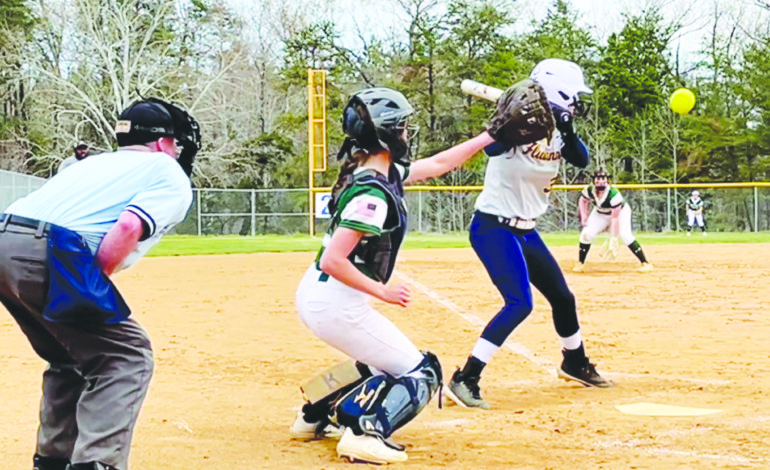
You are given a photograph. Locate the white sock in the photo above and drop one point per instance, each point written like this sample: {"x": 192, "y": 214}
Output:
{"x": 484, "y": 350}
{"x": 572, "y": 342}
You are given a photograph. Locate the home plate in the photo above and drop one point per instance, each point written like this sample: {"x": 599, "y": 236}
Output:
{"x": 656, "y": 409}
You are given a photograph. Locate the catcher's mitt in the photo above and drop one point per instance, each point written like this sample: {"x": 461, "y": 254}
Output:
{"x": 522, "y": 115}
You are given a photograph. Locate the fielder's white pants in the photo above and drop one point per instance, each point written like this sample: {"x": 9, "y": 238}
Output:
{"x": 693, "y": 218}
{"x": 598, "y": 222}
{"x": 342, "y": 317}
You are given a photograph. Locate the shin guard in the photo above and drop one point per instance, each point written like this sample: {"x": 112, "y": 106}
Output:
{"x": 382, "y": 404}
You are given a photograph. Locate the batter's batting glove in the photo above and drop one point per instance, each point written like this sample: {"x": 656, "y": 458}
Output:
{"x": 563, "y": 119}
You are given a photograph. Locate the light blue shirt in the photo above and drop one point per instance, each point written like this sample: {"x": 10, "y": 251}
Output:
{"x": 89, "y": 197}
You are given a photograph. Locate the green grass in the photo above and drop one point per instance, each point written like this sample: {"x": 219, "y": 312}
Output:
{"x": 183, "y": 245}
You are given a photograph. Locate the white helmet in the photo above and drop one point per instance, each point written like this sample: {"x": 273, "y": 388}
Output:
{"x": 562, "y": 81}
{"x": 696, "y": 193}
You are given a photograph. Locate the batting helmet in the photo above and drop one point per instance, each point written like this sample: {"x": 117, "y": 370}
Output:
{"x": 376, "y": 118}
{"x": 563, "y": 83}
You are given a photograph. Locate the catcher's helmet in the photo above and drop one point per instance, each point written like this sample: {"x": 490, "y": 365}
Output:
{"x": 563, "y": 83}
{"x": 376, "y": 118}
{"x": 696, "y": 193}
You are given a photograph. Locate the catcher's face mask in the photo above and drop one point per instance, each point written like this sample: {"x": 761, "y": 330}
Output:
{"x": 601, "y": 181}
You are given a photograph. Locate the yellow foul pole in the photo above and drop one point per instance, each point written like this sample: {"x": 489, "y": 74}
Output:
{"x": 316, "y": 132}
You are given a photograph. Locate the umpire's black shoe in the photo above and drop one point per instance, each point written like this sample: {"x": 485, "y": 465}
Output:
{"x": 465, "y": 391}
{"x": 40, "y": 462}
{"x": 581, "y": 370}
{"x": 90, "y": 466}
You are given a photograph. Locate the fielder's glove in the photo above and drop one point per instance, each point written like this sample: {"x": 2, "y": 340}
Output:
{"x": 522, "y": 115}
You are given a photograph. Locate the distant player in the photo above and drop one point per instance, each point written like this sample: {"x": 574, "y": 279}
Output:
{"x": 601, "y": 206}
{"x": 694, "y": 207}
{"x": 503, "y": 234}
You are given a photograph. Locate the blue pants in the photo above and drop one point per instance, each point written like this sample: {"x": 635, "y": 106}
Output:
{"x": 514, "y": 259}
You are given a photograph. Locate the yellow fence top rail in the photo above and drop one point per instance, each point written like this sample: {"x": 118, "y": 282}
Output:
{"x": 581, "y": 186}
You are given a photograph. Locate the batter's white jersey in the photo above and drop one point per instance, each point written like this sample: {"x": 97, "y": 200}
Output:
{"x": 89, "y": 197}
{"x": 518, "y": 183}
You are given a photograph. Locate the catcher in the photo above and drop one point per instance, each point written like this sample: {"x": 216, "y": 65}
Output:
{"x": 389, "y": 380}
{"x": 520, "y": 172}
{"x": 609, "y": 210}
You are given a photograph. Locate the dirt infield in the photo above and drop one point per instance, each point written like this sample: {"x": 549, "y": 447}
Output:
{"x": 231, "y": 352}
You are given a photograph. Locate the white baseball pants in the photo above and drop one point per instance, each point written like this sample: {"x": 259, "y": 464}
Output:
{"x": 598, "y": 222}
{"x": 342, "y": 317}
{"x": 694, "y": 218}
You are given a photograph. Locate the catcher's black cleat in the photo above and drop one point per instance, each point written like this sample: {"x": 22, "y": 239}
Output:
{"x": 581, "y": 370}
{"x": 465, "y": 391}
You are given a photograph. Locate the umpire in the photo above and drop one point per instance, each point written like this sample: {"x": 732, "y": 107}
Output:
{"x": 58, "y": 247}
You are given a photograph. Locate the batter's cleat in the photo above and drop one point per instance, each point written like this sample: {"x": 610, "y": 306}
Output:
{"x": 40, "y": 462}
{"x": 580, "y": 370}
{"x": 302, "y": 430}
{"x": 369, "y": 449}
{"x": 465, "y": 391}
{"x": 688, "y": 234}
{"x": 579, "y": 268}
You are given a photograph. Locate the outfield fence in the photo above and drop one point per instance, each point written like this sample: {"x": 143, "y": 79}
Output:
{"x": 15, "y": 185}
{"x": 729, "y": 207}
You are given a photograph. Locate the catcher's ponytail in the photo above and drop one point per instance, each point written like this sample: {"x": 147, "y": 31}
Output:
{"x": 352, "y": 160}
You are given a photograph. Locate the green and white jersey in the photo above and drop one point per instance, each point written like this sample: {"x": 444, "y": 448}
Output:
{"x": 695, "y": 205}
{"x": 374, "y": 206}
{"x": 610, "y": 198}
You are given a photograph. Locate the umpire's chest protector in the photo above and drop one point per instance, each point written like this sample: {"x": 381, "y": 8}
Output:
{"x": 379, "y": 253}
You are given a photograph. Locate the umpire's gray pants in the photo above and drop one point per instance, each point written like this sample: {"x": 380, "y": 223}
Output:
{"x": 97, "y": 376}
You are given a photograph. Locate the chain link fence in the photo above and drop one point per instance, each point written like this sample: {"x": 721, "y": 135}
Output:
{"x": 285, "y": 211}
{"x": 16, "y": 185}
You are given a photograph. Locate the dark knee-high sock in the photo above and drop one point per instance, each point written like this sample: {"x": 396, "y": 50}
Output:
{"x": 584, "y": 247}
{"x": 636, "y": 249}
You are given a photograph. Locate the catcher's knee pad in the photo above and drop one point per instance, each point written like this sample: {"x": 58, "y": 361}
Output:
{"x": 382, "y": 404}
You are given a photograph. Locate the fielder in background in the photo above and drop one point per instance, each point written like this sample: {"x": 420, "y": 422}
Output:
{"x": 58, "y": 248}
{"x": 600, "y": 206}
{"x": 81, "y": 151}
{"x": 517, "y": 184}
{"x": 694, "y": 207}
{"x": 389, "y": 380}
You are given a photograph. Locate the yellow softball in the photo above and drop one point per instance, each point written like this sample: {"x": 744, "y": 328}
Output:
{"x": 682, "y": 101}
